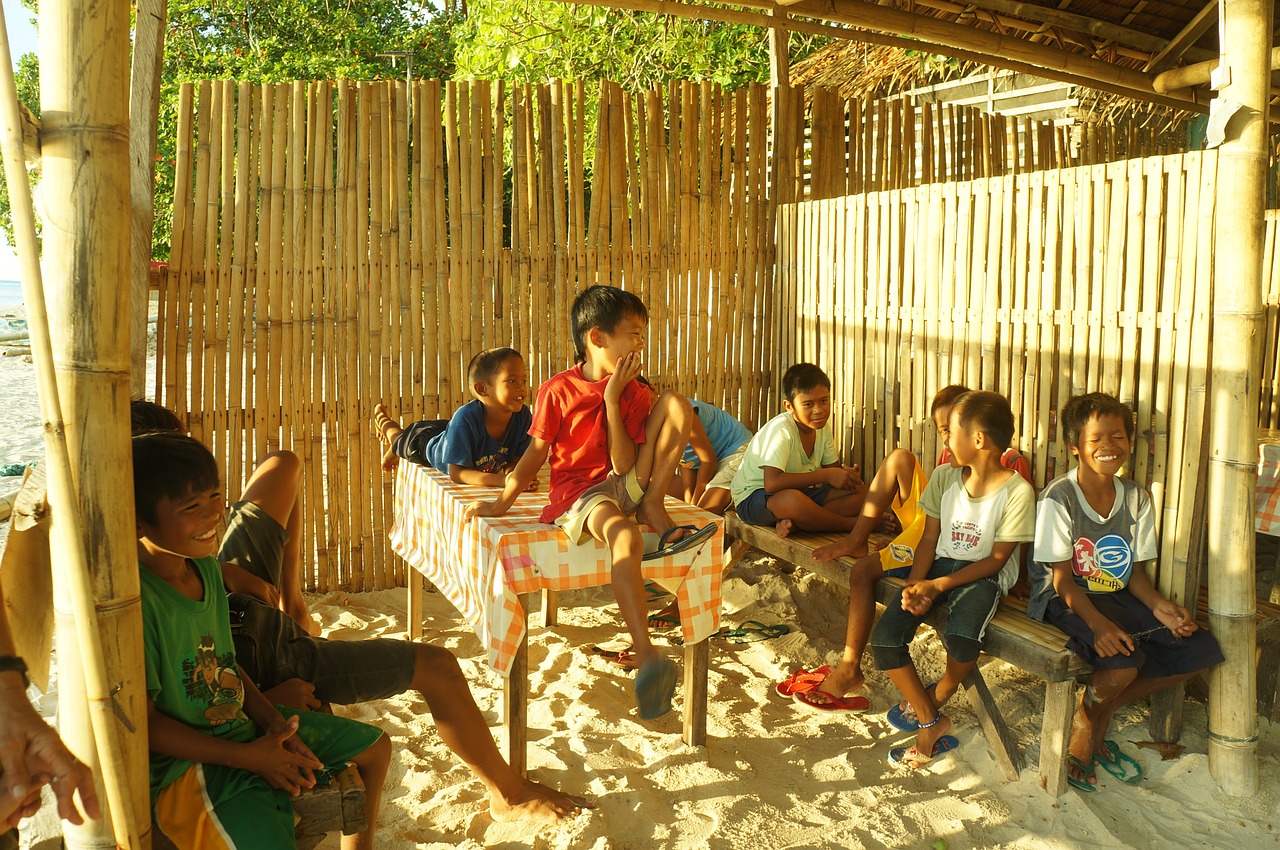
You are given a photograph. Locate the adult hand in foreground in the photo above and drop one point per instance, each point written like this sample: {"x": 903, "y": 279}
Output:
{"x": 31, "y": 756}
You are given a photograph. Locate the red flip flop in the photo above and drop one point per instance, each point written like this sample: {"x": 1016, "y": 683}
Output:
{"x": 830, "y": 702}
{"x": 802, "y": 680}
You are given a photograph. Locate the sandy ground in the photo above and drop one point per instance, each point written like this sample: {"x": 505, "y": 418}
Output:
{"x": 773, "y": 775}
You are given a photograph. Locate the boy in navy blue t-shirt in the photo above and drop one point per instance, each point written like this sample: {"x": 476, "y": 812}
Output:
{"x": 483, "y": 439}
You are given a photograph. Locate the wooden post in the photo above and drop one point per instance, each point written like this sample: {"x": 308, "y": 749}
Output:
{"x": 144, "y": 105}
{"x": 84, "y": 94}
{"x": 1245, "y": 36}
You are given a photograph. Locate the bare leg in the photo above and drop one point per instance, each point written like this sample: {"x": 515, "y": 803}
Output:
{"x": 438, "y": 678}
{"x": 806, "y": 514}
{"x": 891, "y": 485}
{"x": 848, "y": 674}
{"x": 388, "y": 429}
{"x": 666, "y": 433}
{"x": 908, "y": 682}
{"x": 682, "y": 484}
{"x": 609, "y": 525}
{"x": 715, "y": 500}
{"x": 275, "y": 487}
{"x": 1136, "y": 689}
{"x": 1088, "y": 727}
{"x": 372, "y": 765}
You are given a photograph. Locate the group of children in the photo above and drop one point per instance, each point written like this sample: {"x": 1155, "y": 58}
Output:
{"x": 225, "y": 758}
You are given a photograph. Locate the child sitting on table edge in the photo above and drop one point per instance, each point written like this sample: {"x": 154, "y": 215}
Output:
{"x": 613, "y": 452}
{"x": 1095, "y": 539}
{"x": 483, "y": 439}
{"x": 896, "y": 488}
{"x": 977, "y": 513}
{"x": 790, "y": 475}
{"x": 224, "y": 761}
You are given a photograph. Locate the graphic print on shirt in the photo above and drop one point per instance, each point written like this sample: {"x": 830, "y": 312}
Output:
{"x": 1104, "y": 564}
{"x": 965, "y": 536}
{"x": 495, "y": 462}
{"x": 214, "y": 682}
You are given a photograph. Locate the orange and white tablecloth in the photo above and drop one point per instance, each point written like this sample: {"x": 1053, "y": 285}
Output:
{"x": 483, "y": 567}
{"x": 1266, "y": 514}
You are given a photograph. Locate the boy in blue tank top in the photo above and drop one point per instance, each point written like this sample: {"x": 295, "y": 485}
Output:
{"x": 1095, "y": 534}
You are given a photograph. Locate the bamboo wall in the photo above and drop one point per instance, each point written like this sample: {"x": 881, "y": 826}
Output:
{"x": 339, "y": 245}
{"x": 1038, "y": 286}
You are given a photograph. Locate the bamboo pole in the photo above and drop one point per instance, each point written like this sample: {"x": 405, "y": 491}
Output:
{"x": 85, "y": 105}
{"x": 1245, "y": 33}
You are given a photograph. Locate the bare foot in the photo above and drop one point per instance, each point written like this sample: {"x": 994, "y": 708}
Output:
{"x": 664, "y": 618}
{"x": 841, "y": 681}
{"x": 909, "y": 710}
{"x": 536, "y": 802}
{"x": 653, "y": 513}
{"x": 1082, "y": 747}
{"x": 845, "y": 547}
{"x": 925, "y": 739}
{"x": 783, "y": 528}
{"x": 388, "y": 429}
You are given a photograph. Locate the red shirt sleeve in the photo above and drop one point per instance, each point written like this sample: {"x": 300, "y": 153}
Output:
{"x": 547, "y": 414}
{"x": 636, "y": 405}
{"x": 1019, "y": 464}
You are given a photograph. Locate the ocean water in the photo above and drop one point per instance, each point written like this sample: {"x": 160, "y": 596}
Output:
{"x": 10, "y": 293}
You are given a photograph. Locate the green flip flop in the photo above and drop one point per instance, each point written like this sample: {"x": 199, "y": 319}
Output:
{"x": 1118, "y": 764}
{"x": 752, "y": 631}
{"x": 1085, "y": 769}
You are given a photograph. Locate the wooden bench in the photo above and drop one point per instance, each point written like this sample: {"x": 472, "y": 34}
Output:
{"x": 336, "y": 807}
{"x": 1035, "y": 647}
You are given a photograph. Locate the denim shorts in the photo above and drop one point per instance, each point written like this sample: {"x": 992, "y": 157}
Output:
{"x": 970, "y": 608}
{"x": 754, "y": 509}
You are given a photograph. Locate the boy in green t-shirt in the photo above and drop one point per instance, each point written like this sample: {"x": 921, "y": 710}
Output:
{"x": 224, "y": 761}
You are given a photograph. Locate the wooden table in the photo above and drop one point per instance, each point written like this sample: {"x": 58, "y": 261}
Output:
{"x": 491, "y": 567}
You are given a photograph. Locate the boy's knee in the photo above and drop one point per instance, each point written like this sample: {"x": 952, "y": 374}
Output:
{"x": 890, "y": 656}
{"x": 866, "y": 572}
{"x": 900, "y": 460}
{"x": 628, "y": 538}
{"x": 675, "y": 407}
{"x": 962, "y": 648}
{"x": 436, "y": 663}
{"x": 283, "y": 463}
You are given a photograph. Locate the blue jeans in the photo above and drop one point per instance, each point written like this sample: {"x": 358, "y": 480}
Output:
{"x": 969, "y": 608}
{"x": 754, "y": 509}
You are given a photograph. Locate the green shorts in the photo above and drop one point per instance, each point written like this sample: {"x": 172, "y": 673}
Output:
{"x": 255, "y": 541}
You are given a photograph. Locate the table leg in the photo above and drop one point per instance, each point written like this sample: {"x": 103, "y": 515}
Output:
{"x": 417, "y": 589}
{"x": 550, "y": 615}
{"x": 515, "y": 703}
{"x": 697, "y": 663}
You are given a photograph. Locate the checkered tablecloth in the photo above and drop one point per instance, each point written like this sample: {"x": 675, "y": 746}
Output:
{"x": 1266, "y": 496}
{"x": 483, "y": 567}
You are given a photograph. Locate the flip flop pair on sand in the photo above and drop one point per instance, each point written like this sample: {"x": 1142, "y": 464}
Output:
{"x": 802, "y": 687}
{"x": 1112, "y": 759}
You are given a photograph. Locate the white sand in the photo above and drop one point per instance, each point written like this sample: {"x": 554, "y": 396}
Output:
{"x": 773, "y": 775}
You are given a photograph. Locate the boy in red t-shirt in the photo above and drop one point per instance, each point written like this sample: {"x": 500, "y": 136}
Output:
{"x": 607, "y": 441}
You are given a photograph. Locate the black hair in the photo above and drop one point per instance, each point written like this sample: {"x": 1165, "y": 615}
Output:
{"x": 147, "y": 416}
{"x": 487, "y": 363}
{"x": 168, "y": 465}
{"x": 1080, "y": 409}
{"x": 602, "y": 307}
{"x": 987, "y": 412}
{"x": 803, "y": 378}
{"x": 946, "y": 397}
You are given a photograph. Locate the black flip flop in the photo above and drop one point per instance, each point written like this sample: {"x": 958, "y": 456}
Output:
{"x": 697, "y": 536}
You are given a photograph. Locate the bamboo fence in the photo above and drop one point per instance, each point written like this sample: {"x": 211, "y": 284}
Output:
{"x": 333, "y": 248}
{"x": 1038, "y": 286}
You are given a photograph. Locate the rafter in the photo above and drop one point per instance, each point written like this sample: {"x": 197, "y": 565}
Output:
{"x": 1181, "y": 43}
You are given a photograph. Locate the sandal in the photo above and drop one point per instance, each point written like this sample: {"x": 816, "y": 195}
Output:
{"x": 624, "y": 658}
{"x": 1086, "y": 770}
{"x": 904, "y": 720}
{"x": 1121, "y": 766}
{"x": 910, "y": 758}
{"x": 802, "y": 681}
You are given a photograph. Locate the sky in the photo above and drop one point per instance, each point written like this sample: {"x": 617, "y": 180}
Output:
{"x": 22, "y": 39}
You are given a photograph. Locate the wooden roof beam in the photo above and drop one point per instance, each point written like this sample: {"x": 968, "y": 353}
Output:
{"x": 997, "y": 49}
{"x": 1073, "y": 21}
{"x": 1080, "y": 71}
{"x": 1181, "y": 43}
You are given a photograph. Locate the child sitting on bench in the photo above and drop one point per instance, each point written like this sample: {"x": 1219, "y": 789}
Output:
{"x": 613, "y": 452}
{"x": 790, "y": 476}
{"x": 977, "y": 512}
{"x": 1095, "y": 536}
{"x": 483, "y": 439}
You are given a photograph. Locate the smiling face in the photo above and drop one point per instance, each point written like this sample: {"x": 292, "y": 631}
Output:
{"x": 626, "y": 338}
{"x": 1104, "y": 445}
{"x": 507, "y": 388}
{"x": 186, "y": 527}
{"x": 811, "y": 409}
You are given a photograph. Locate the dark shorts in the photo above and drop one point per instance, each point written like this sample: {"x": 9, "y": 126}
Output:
{"x": 412, "y": 442}
{"x": 754, "y": 509}
{"x": 970, "y": 608}
{"x": 271, "y": 648}
{"x": 1157, "y": 654}
{"x": 255, "y": 541}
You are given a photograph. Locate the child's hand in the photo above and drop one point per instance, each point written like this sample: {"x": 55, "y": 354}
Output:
{"x": 282, "y": 759}
{"x": 1177, "y": 618}
{"x": 918, "y": 596}
{"x": 628, "y": 369}
{"x": 1112, "y": 640}
{"x": 476, "y": 509}
{"x": 532, "y": 486}
{"x": 843, "y": 477}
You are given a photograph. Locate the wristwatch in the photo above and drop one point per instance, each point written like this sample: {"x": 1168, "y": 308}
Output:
{"x": 13, "y": 663}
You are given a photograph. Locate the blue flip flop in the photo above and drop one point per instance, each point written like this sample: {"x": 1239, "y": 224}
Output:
{"x": 1121, "y": 766}
{"x": 943, "y": 745}
{"x": 655, "y": 685}
{"x": 697, "y": 536}
{"x": 899, "y": 719}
